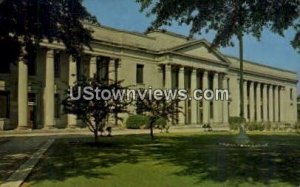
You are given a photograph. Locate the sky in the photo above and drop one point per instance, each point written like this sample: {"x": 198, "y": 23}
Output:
{"x": 272, "y": 49}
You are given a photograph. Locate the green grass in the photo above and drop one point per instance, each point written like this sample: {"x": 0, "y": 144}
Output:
{"x": 181, "y": 160}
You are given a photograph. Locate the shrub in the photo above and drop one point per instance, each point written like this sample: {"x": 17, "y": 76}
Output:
{"x": 234, "y": 122}
{"x": 255, "y": 126}
{"x": 136, "y": 122}
{"x": 161, "y": 123}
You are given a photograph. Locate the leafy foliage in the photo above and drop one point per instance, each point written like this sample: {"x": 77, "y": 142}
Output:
{"x": 25, "y": 23}
{"x": 228, "y": 18}
{"x": 234, "y": 122}
{"x": 136, "y": 121}
{"x": 94, "y": 112}
{"x": 157, "y": 109}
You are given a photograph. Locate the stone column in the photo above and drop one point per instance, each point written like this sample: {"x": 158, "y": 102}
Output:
{"x": 160, "y": 76}
{"x": 216, "y": 104}
{"x": 206, "y": 104}
{"x": 168, "y": 70}
{"x": 112, "y": 70}
{"x": 282, "y": 104}
{"x": 93, "y": 66}
{"x": 22, "y": 95}
{"x": 48, "y": 92}
{"x": 271, "y": 104}
{"x": 225, "y": 103}
{"x": 251, "y": 102}
{"x": 258, "y": 103}
{"x": 276, "y": 104}
{"x": 245, "y": 100}
{"x": 265, "y": 103}
{"x": 181, "y": 116}
{"x": 194, "y": 103}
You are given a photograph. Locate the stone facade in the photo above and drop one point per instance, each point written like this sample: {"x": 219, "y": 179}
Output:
{"x": 32, "y": 92}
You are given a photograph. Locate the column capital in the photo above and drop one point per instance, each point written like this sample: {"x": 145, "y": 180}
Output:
{"x": 194, "y": 71}
{"x": 168, "y": 66}
{"x": 181, "y": 69}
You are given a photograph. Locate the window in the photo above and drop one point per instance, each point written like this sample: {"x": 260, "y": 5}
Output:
{"x": 4, "y": 107}
{"x": 57, "y": 64}
{"x": 291, "y": 94}
{"x": 31, "y": 64}
{"x": 139, "y": 74}
{"x": 57, "y": 105}
{"x": 102, "y": 68}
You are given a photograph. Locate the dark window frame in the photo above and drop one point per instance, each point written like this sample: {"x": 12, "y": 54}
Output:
{"x": 57, "y": 64}
{"x": 140, "y": 73}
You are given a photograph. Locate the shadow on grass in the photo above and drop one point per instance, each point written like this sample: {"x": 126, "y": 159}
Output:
{"x": 199, "y": 156}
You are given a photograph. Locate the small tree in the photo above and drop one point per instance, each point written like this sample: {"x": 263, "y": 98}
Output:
{"x": 158, "y": 109}
{"x": 93, "y": 111}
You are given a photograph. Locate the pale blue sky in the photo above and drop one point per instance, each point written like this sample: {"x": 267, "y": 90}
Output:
{"x": 271, "y": 50}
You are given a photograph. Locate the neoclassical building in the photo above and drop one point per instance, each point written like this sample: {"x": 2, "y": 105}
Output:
{"x": 31, "y": 93}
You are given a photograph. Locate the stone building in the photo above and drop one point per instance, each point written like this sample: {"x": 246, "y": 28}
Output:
{"x": 31, "y": 93}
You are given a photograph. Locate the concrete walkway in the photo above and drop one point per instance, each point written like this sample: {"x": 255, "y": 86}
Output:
{"x": 19, "y": 176}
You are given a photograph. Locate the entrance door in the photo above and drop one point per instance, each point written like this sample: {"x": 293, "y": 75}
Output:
{"x": 32, "y": 111}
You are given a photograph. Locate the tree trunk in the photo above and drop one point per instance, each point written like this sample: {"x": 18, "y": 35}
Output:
{"x": 96, "y": 138}
{"x": 151, "y": 131}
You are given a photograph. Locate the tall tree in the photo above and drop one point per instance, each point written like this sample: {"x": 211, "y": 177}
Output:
{"x": 25, "y": 23}
{"x": 228, "y": 18}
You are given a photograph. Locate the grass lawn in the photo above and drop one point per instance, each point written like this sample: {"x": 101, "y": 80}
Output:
{"x": 183, "y": 160}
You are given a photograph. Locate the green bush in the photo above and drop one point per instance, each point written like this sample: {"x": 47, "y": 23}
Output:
{"x": 234, "y": 122}
{"x": 161, "y": 123}
{"x": 255, "y": 126}
{"x": 136, "y": 122}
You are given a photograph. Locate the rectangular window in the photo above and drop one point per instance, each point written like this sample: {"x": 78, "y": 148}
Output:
{"x": 291, "y": 94}
{"x": 102, "y": 68}
{"x": 4, "y": 107}
{"x": 57, "y": 105}
{"x": 56, "y": 64}
{"x": 31, "y": 64}
{"x": 139, "y": 74}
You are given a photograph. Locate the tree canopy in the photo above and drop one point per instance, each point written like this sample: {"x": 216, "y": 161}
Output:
{"x": 25, "y": 23}
{"x": 228, "y": 17}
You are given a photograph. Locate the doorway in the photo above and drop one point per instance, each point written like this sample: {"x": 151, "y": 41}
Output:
{"x": 32, "y": 111}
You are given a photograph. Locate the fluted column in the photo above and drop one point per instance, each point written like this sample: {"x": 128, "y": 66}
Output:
{"x": 225, "y": 102}
{"x": 112, "y": 70}
{"x": 48, "y": 92}
{"x": 194, "y": 103}
{"x": 168, "y": 70}
{"x": 216, "y": 104}
{"x": 271, "y": 104}
{"x": 258, "y": 103}
{"x": 251, "y": 102}
{"x": 93, "y": 66}
{"x": 282, "y": 104}
{"x": 276, "y": 104}
{"x": 265, "y": 103}
{"x": 245, "y": 100}
{"x": 160, "y": 76}
{"x": 206, "y": 104}
{"x": 181, "y": 116}
{"x": 22, "y": 94}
